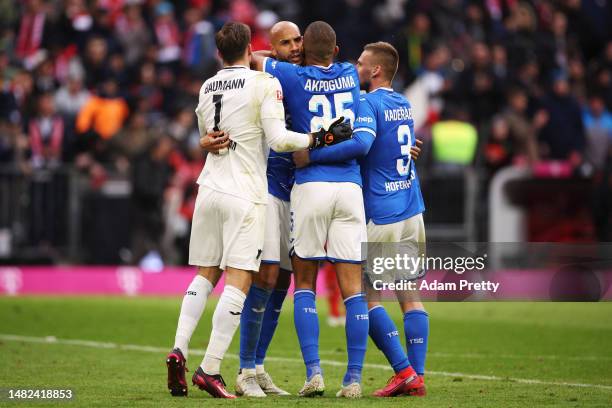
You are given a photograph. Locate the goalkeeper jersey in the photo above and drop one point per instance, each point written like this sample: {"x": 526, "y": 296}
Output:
{"x": 235, "y": 101}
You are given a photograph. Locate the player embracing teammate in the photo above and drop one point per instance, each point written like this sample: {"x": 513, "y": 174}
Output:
{"x": 228, "y": 223}
{"x": 327, "y": 213}
{"x": 328, "y": 220}
{"x": 394, "y": 215}
{"x": 382, "y": 141}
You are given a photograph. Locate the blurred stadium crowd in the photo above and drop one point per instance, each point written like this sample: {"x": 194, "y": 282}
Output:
{"x": 106, "y": 89}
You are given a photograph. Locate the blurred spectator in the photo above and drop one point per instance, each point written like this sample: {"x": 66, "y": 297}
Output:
{"x": 409, "y": 42}
{"x": 199, "y": 51}
{"x": 167, "y": 34}
{"x": 132, "y": 32}
{"x": 500, "y": 62}
{"x": 434, "y": 81}
{"x": 183, "y": 125}
{"x": 146, "y": 90}
{"x": 180, "y": 199}
{"x": 118, "y": 70}
{"x": 76, "y": 23}
{"x": 577, "y": 79}
{"x": 150, "y": 176}
{"x": 44, "y": 77}
{"x": 95, "y": 62}
{"x": 22, "y": 88}
{"x": 478, "y": 86}
{"x": 32, "y": 34}
{"x": 46, "y": 134}
{"x": 103, "y": 114}
{"x": 71, "y": 97}
{"x": 598, "y": 129}
{"x": 13, "y": 147}
{"x": 498, "y": 150}
{"x": 563, "y": 135}
{"x": 475, "y": 22}
{"x": 135, "y": 137}
{"x": 521, "y": 129}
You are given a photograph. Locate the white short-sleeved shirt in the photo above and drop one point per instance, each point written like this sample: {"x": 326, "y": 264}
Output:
{"x": 235, "y": 101}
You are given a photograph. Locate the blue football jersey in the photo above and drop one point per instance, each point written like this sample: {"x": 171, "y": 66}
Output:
{"x": 312, "y": 96}
{"x": 281, "y": 169}
{"x": 281, "y": 174}
{"x": 391, "y": 187}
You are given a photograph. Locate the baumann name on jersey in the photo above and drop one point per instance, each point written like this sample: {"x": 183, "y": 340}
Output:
{"x": 216, "y": 86}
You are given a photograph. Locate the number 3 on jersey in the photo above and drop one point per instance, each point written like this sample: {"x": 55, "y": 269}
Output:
{"x": 404, "y": 138}
{"x": 341, "y": 100}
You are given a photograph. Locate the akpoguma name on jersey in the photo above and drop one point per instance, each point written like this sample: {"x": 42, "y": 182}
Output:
{"x": 402, "y": 113}
{"x": 216, "y": 86}
{"x": 316, "y": 85}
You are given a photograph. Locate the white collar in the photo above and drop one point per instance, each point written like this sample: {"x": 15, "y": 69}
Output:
{"x": 235, "y": 66}
{"x": 384, "y": 88}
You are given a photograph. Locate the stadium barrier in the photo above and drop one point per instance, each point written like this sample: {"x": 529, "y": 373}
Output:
{"x": 102, "y": 280}
{"x": 440, "y": 285}
{"x": 47, "y": 216}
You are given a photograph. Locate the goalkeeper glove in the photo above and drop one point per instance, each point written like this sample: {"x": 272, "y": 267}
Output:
{"x": 338, "y": 131}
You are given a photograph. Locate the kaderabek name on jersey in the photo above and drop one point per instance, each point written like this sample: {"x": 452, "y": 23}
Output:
{"x": 401, "y": 113}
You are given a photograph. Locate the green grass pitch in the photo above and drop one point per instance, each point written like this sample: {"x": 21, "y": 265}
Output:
{"x": 477, "y": 351}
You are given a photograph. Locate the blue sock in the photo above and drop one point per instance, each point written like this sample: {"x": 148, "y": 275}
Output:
{"x": 268, "y": 326}
{"x": 250, "y": 324}
{"x": 386, "y": 337}
{"x": 307, "y": 327}
{"x": 416, "y": 329}
{"x": 356, "y": 336}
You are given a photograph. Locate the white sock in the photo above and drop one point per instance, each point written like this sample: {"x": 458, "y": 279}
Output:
{"x": 259, "y": 368}
{"x": 191, "y": 311}
{"x": 225, "y": 321}
{"x": 249, "y": 372}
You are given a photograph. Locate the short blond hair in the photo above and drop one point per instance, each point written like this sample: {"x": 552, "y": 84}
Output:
{"x": 386, "y": 56}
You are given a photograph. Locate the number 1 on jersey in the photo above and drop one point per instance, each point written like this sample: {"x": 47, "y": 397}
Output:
{"x": 217, "y": 101}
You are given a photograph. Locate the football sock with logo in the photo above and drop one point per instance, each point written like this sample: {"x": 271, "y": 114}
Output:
{"x": 192, "y": 307}
{"x": 356, "y": 336}
{"x": 385, "y": 335}
{"x": 306, "y": 323}
{"x": 225, "y": 321}
{"x": 268, "y": 326}
{"x": 250, "y": 324}
{"x": 416, "y": 329}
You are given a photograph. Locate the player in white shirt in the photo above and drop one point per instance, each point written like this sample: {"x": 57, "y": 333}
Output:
{"x": 229, "y": 218}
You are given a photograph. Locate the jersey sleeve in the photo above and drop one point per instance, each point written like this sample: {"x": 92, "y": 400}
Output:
{"x": 366, "y": 118}
{"x": 284, "y": 71}
{"x": 272, "y": 100}
{"x": 359, "y": 145}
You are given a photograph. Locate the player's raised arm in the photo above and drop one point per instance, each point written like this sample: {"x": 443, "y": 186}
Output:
{"x": 258, "y": 58}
